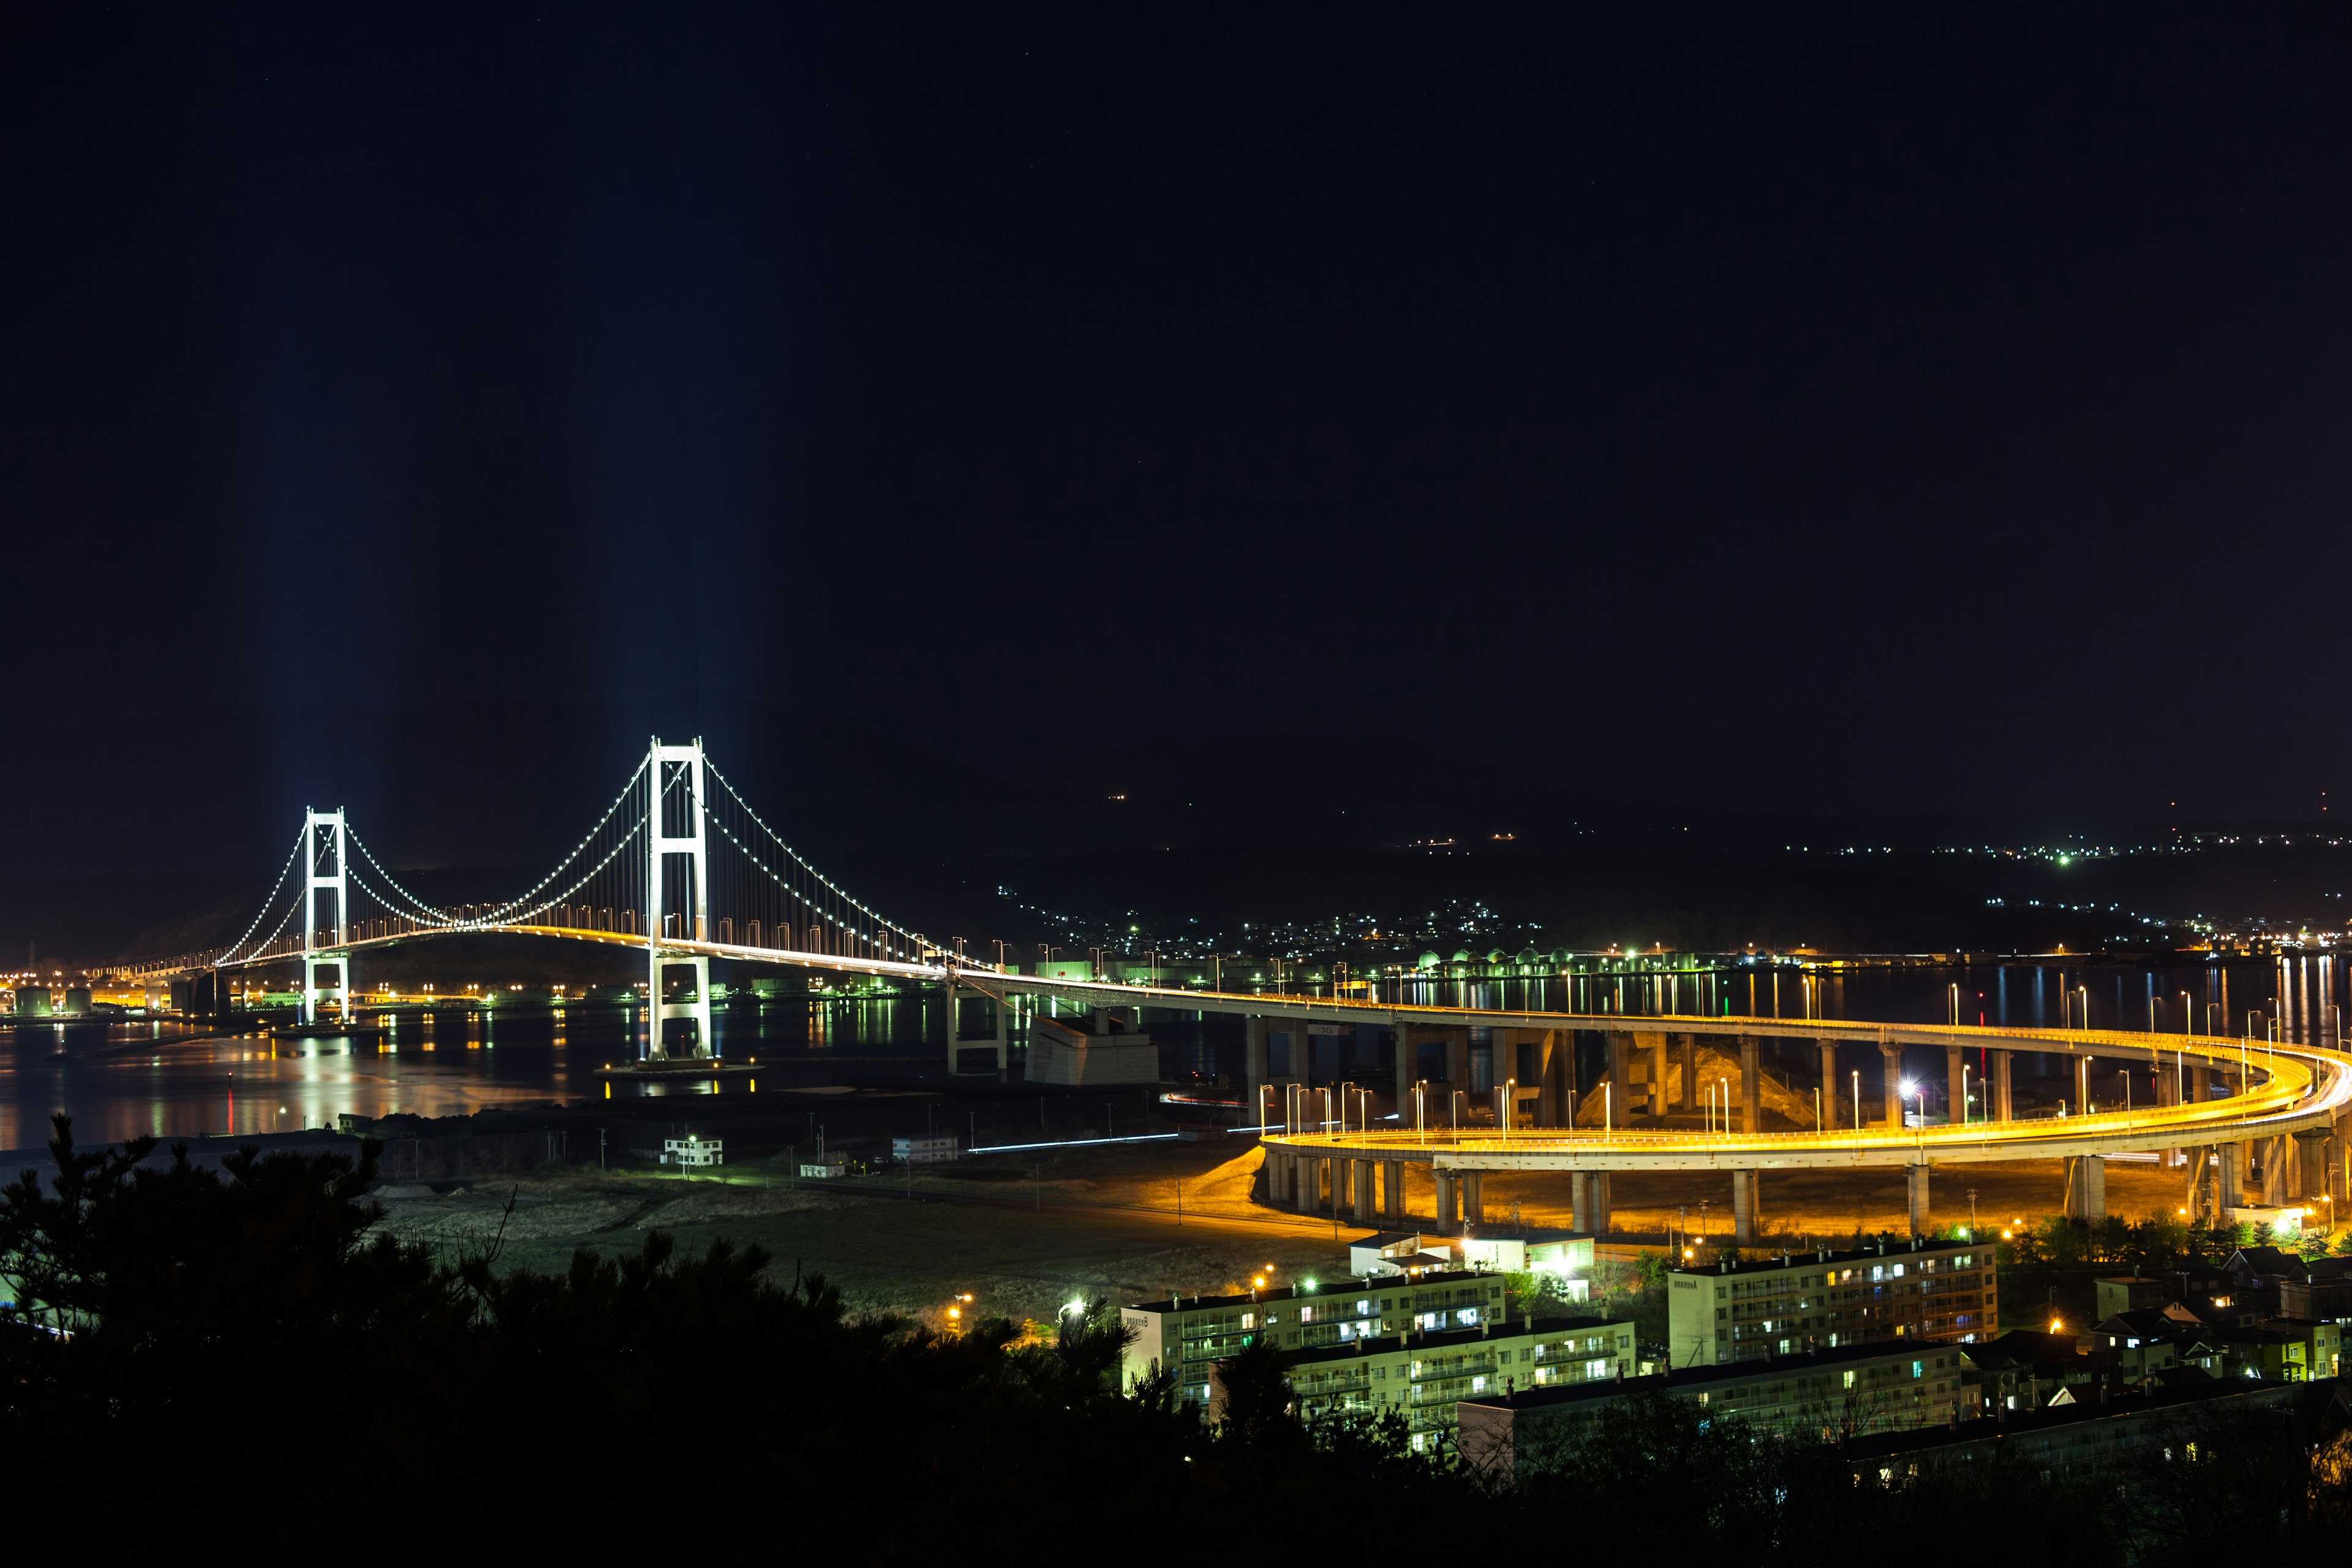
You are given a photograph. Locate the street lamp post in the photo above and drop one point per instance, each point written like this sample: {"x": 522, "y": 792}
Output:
{"x": 1857, "y": 1099}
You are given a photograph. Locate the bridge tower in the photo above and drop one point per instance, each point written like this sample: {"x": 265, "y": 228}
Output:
{"x": 323, "y": 845}
{"x": 675, "y": 798}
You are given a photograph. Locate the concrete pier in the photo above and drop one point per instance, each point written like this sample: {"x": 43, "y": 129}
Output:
{"x": 1892, "y": 1058}
{"x": 1916, "y": 1188}
{"x": 1834, "y": 1112}
{"x": 1449, "y": 1203}
{"x": 1745, "y": 1224}
{"x": 1751, "y": 1084}
{"x": 2086, "y": 1187}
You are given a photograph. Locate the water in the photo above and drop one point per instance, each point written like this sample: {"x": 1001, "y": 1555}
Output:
{"x": 127, "y": 1078}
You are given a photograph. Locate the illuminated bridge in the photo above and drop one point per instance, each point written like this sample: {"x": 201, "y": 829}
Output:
{"x": 681, "y": 867}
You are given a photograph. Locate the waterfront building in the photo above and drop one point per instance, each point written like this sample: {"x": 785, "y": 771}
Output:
{"x": 1932, "y": 1292}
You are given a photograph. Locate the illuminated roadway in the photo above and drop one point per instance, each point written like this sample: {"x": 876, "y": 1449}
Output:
{"x": 2288, "y": 1088}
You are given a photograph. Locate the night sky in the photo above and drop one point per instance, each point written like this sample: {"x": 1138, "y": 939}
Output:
{"x": 959, "y": 417}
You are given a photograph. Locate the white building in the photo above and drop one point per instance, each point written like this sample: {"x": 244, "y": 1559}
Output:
{"x": 925, "y": 1151}
{"x": 693, "y": 1150}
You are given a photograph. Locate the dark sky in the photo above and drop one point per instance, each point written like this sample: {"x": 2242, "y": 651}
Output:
{"x": 413, "y": 407}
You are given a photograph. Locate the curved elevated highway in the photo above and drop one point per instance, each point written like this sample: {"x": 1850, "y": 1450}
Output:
{"x": 2223, "y": 1095}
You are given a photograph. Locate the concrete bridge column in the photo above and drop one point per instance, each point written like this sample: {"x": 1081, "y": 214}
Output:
{"x": 1751, "y": 1084}
{"x": 1893, "y": 1057}
{"x": 1833, "y": 1095}
{"x": 1916, "y": 1183}
{"x": 2274, "y": 1170}
{"x": 1554, "y": 1108}
{"x": 1473, "y": 1197}
{"x": 1408, "y": 1064}
{"x": 2086, "y": 1187}
{"x": 1689, "y": 1101}
{"x": 1255, "y": 1063}
{"x": 1589, "y": 1201}
{"x": 1393, "y": 1188}
{"x": 1449, "y": 1201}
{"x": 1743, "y": 1207}
{"x": 2311, "y": 1167}
{"x": 2003, "y": 1064}
{"x": 1957, "y": 1080}
{"x": 2228, "y": 1185}
{"x": 1310, "y": 1184}
{"x": 2081, "y": 1106}
{"x": 1620, "y": 1053}
{"x": 1362, "y": 1180}
{"x": 1659, "y": 1046}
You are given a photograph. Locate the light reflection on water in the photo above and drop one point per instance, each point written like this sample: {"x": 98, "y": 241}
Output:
{"x": 127, "y": 1078}
{"x": 132, "y": 1078}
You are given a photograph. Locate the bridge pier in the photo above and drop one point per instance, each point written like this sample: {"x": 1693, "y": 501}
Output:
{"x": 1449, "y": 1202}
{"x": 1659, "y": 1106}
{"x": 2003, "y": 1064}
{"x": 2311, "y": 1166}
{"x": 1915, "y": 1191}
{"x": 2086, "y": 1187}
{"x": 2274, "y": 1170}
{"x": 1744, "y": 1196}
{"x": 1473, "y": 1197}
{"x": 2229, "y": 1188}
{"x": 1589, "y": 1201}
{"x": 1751, "y": 1084}
{"x": 1254, "y": 1063}
{"x": 1393, "y": 1188}
{"x": 1688, "y": 1103}
{"x": 1620, "y": 1088}
{"x": 1833, "y": 1111}
{"x": 1955, "y": 1078}
{"x": 1891, "y": 1059}
{"x": 1457, "y": 1071}
{"x": 2081, "y": 1086}
{"x": 1361, "y": 1180}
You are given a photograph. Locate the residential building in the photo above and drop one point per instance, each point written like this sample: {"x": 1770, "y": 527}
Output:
{"x": 1825, "y": 1394}
{"x": 1425, "y": 1375}
{"x": 693, "y": 1150}
{"x": 1190, "y": 1334}
{"x": 2082, "y": 1435}
{"x": 927, "y": 1150}
{"x": 1801, "y": 1301}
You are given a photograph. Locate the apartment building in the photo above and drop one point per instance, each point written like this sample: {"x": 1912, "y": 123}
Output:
{"x": 1825, "y": 1394}
{"x": 1803, "y": 1301}
{"x": 1418, "y": 1344}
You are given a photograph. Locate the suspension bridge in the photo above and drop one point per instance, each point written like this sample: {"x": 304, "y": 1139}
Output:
{"x": 681, "y": 865}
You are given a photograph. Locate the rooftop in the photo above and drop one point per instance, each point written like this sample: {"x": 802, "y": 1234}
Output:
{"x": 1308, "y": 1291}
{"x": 1449, "y": 1339}
{"x": 1914, "y": 1247}
{"x": 1692, "y": 1379}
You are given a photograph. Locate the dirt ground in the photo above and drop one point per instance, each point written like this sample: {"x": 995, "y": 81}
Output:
{"x": 1023, "y": 1234}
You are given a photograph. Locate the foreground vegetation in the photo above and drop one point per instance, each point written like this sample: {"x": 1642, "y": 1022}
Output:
{"x": 250, "y": 1338}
